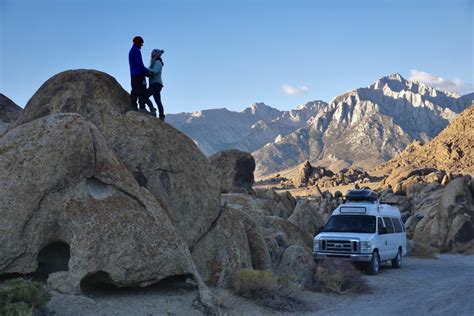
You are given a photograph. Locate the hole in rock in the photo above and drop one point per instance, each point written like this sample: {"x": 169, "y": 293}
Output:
{"x": 100, "y": 282}
{"x": 52, "y": 258}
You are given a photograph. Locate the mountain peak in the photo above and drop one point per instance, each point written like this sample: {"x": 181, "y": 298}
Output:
{"x": 396, "y": 76}
{"x": 260, "y": 109}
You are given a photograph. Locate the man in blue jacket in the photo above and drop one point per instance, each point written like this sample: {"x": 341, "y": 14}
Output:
{"x": 137, "y": 72}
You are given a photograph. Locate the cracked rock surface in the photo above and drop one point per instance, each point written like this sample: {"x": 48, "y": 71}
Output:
{"x": 61, "y": 182}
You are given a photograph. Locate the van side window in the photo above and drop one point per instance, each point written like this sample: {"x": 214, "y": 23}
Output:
{"x": 389, "y": 225}
{"x": 397, "y": 225}
{"x": 380, "y": 225}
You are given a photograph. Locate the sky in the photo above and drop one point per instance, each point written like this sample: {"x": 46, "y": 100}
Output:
{"x": 234, "y": 53}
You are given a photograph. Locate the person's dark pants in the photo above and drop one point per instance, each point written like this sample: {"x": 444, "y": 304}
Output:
{"x": 155, "y": 91}
{"x": 138, "y": 92}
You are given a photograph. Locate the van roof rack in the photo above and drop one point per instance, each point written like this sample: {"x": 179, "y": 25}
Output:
{"x": 363, "y": 195}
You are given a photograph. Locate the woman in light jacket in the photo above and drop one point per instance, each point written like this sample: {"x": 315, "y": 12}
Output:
{"x": 156, "y": 84}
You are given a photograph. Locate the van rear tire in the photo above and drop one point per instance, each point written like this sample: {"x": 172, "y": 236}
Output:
{"x": 397, "y": 261}
{"x": 374, "y": 265}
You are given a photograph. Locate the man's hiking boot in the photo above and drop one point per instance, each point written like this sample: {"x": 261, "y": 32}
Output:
{"x": 153, "y": 113}
{"x": 162, "y": 117}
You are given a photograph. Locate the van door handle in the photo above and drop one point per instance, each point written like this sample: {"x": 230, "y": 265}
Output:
{"x": 385, "y": 243}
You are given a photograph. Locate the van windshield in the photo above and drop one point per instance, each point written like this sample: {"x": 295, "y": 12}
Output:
{"x": 351, "y": 224}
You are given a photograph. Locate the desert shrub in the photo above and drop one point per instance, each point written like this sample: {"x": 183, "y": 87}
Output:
{"x": 248, "y": 281}
{"x": 421, "y": 250}
{"x": 339, "y": 276}
{"x": 16, "y": 309}
{"x": 267, "y": 290}
{"x": 22, "y": 297}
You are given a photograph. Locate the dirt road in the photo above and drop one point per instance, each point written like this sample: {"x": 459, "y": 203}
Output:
{"x": 421, "y": 287}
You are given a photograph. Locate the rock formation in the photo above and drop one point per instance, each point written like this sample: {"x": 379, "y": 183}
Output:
{"x": 443, "y": 217}
{"x": 162, "y": 159}
{"x": 62, "y": 183}
{"x": 452, "y": 150}
{"x": 9, "y": 113}
{"x": 235, "y": 168}
{"x": 308, "y": 175}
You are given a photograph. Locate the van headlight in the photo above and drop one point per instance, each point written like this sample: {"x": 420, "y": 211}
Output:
{"x": 316, "y": 245}
{"x": 365, "y": 247}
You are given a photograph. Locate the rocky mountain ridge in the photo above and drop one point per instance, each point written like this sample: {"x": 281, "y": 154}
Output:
{"x": 365, "y": 127}
{"x": 219, "y": 129}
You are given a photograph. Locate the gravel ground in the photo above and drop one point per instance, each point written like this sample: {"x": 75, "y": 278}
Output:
{"x": 421, "y": 287}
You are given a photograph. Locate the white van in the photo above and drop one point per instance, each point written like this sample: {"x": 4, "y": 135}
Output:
{"x": 363, "y": 230}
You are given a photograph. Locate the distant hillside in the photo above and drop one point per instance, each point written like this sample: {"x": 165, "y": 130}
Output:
{"x": 219, "y": 129}
{"x": 365, "y": 127}
{"x": 452, "y": 150}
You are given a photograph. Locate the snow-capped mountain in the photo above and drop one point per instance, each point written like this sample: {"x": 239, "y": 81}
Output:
{"x": 219, "y": 129}
{"x": 366, "y": 126}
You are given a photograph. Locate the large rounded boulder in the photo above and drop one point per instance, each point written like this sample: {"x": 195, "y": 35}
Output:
{"x": 65, "y": 191}
{"x": 161, "y": 158}
{"x": 236, "y": 169}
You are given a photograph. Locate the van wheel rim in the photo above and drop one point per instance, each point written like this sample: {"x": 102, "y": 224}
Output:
{"x": 376, "y": 263}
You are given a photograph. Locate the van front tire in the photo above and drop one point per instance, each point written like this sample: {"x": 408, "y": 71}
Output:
{"x": 374, "y": 265}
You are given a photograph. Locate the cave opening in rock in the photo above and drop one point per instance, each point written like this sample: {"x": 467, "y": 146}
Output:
{"x": 52, "y": 258}
{"x": 101, "y": 281}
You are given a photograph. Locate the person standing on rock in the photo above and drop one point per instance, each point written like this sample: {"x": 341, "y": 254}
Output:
{"x": 138, "y": 72}
{"x": 156, "y": 83}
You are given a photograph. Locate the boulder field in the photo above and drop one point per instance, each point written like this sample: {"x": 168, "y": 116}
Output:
{"x": 120, "y": 197}
{"x": 94, "y": 191}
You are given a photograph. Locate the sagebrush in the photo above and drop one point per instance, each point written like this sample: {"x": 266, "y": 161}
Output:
{"x": 339, "y": 276}
{"x": 21, "y": 297}
{"x": 267, "y": 290}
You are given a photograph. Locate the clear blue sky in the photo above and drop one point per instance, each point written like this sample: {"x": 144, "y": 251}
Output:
{"x": 234, "y": 53}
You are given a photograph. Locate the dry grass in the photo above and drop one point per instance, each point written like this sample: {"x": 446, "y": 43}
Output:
{"x": 339, "y": 276}
{"x": 267, "y": 290}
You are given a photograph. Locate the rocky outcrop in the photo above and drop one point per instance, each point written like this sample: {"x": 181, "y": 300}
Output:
{"x": 297, "y": 266}
{"x": 403, "y": 179}
{"x": 437, "y": 215}
{"x": 446, "y": 222}
{"x": 162, "y": 159}
{"x": 9, "y": 113}
{"x": 311, "y": 214}
{"x": 62, "y": 183}
{"x": 452, "y": 150}
{"x": 224, "y": 250}
{"x": 308, "y": 175}
{"x": 235, "y": 168}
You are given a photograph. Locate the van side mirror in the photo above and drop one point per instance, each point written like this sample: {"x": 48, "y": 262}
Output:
{"x": 382, "y": 230}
